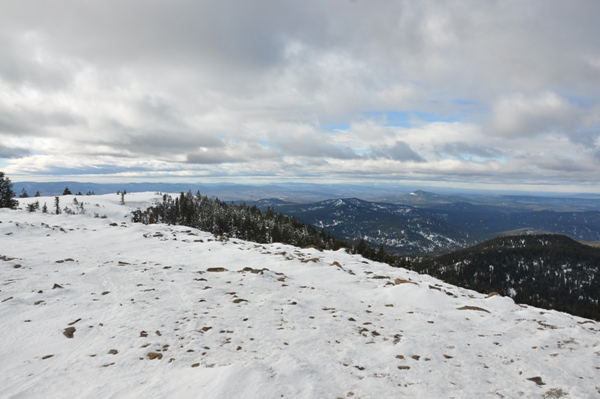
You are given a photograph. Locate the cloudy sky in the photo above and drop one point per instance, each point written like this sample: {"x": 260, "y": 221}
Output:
{"x": 496, "y": 94}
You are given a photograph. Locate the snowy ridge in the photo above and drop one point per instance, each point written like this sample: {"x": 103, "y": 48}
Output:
{"x": 167, "y": 311}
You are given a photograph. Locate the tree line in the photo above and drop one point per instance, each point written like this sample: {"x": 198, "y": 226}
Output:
{"x": 252, "y": 224}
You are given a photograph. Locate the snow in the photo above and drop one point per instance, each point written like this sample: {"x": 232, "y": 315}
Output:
{"x": 297, "y": 323}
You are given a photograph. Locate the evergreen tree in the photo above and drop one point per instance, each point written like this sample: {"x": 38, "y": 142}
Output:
{"x": 37, "y": 193}
{"x": 57, "y": 205}
{"x": 67, "y": 191}
{"x": 45, "y": 208}
{"x": 7, "y": 194}
{"x": 24, "y": 194}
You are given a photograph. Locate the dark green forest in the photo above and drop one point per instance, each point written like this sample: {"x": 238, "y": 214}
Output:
{"x": 547, "y": 271}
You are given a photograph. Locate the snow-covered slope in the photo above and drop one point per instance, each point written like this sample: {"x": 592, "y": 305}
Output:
{"x": 170, "y": 312}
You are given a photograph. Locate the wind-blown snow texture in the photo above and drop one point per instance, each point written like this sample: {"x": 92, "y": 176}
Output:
{"x": 309, "y": 324}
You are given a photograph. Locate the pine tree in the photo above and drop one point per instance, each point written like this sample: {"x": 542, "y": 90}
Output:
{"x": 45, "y": 208}
{"x": 67, "y": 191}
{"x": 57, "y": 205}
{"x": 37, "y": 193}
{"x": 24, "y": 194}
{"x": 7, "y": 195}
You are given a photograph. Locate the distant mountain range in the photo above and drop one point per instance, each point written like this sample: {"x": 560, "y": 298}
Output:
{"x": 438, "y": 228}
{"x": 289, "y": 192}
{"x": 415, "y": 223}
{"x": 573, "y": 202}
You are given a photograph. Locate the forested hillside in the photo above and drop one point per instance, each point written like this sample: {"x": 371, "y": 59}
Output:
{"x": 549, "y": 271}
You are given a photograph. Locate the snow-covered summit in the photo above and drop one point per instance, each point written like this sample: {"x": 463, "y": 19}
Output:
{"x": 96, "y": 307}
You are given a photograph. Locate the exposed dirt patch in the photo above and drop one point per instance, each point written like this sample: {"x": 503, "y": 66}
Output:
{"x": 399, "y": 281}
{"x": 154, "y": 355}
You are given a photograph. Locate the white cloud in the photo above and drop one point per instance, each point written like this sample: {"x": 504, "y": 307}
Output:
{"x": 518, "y": 115}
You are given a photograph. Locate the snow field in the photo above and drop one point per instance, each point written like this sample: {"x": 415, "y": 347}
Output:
{"x": 270, "y": 321}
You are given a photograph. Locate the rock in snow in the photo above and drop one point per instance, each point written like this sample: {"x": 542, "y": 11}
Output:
{"x": 298, "y": 329}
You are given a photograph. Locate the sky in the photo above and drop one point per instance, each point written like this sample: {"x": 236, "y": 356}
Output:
{"x": 472, "y": 94}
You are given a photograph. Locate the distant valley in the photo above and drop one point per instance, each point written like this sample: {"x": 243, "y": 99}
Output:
{"x": 436, "y": 223}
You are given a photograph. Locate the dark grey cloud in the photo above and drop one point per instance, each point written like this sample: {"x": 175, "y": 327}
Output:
{"x": 36, "y": 122}
{"x": 463, "y": 150}
{"x": 313, "y": 147}
{"x": 213, "y": 156}
{"x": 587, "y": 138}
{"x": 12, "y": 152}
{"x": 400, "y": 151}
{"x": 235, "y": 153}
{"x": 165, "y": 142}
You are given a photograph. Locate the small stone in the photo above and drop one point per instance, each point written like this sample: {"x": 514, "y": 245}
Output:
{"x": 537, "y": 380}
{"x": 17, "y": 266}
{"x": 56, "y": 286}
{"x": 69, "y": 332}
{"x": 195, "y": 364}
{"x": 154, "y": 355}
{"x": 113, "y": 352}
{"x": 216, "y": 269}
{"x": 143, "y": 334}
{"x": 47, "y": 357}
